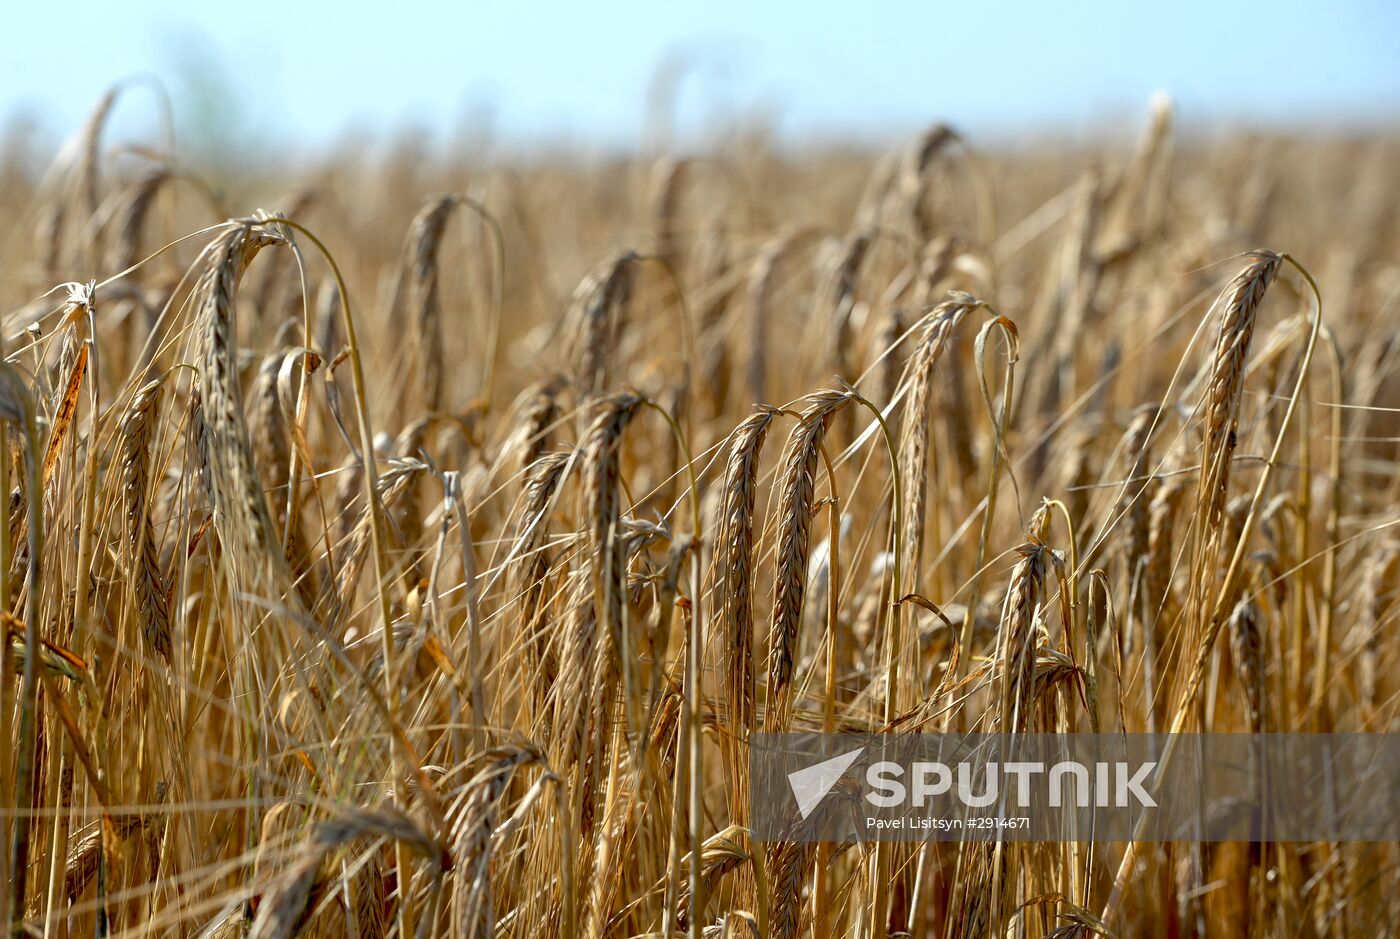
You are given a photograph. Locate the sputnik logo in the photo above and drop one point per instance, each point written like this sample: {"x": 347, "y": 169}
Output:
{"x": 811, "y": 785}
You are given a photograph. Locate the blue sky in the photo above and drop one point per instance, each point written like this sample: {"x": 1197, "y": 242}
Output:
{"x": 306, "y": 69}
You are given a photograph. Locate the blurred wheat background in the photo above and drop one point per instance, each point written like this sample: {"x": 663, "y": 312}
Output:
{"x": 405, "y": 540}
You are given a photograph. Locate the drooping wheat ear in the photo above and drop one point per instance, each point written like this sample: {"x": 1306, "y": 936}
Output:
{"x": 1247, "y": 651}
{"x": 125, "y": 249}
{"x": 788, "y": 864}
{"x": 420, "y": 280}
{"x": 277, "y": 830}
{"x": 473, "y": 826}
{"x": 601, "y": 451}
{"x": 716, "y": 281}
{"x": 532, "y": 567}
{"x": 240, "y": 509}
{"x": 541, "y": 414}
{"x": 1019, "y": 637}
{"x": 50, "y": 234}
{"x": 668, "y": 189}
{"x": 914, "y": 175}
{"x": 267, "y": 430}
{"x": 723, "y": 852}
{"x": 412, "y": 438}
{"x": 1016, "y": 636}
{"x": 1138, "y": 199}
{"x": 1239, "y": 305}
{"x": 83, "y": 859}
{"x": 794, "y": 546}
{"x": 337, "y": 596}
{"x": 843, "y": 279}
{"x": 609, "y": 558}
{"x": 406, "y": 522}
{"x": 327, "y": 317}
{"x": 1161, "y": 522}
{"x": 1134, "y": 498}
{"x": 879, "y": 188}
{"x": 137, "y": 429}
{"x": 896, "y": 185}
{"x": 198, "y": 431}
{"x": 734, "y": 562}
{"x": 913, "y": 445}
{"x": 80, "y": 159}
{"x": 593, "y": 640}
{"x": 597, "y": 313}
{"x": 924, "y": 148}
{"x": 285, "y": 908}
{"x": 370, "y": 898}
{"x": 66, "y": 371}
{"x": 734, "y": 557}
{"x": 758, "y": 292}
{"x": 934, "y": 264}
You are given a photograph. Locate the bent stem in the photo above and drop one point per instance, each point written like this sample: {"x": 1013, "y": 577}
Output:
{"x": 999, "y": 459}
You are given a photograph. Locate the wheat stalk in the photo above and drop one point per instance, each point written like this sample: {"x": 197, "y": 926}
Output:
{"x": 940, "y": 325}
{"x": 137, "y": 430}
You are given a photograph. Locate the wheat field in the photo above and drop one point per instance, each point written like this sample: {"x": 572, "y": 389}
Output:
{"x": 408, "y": 544}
